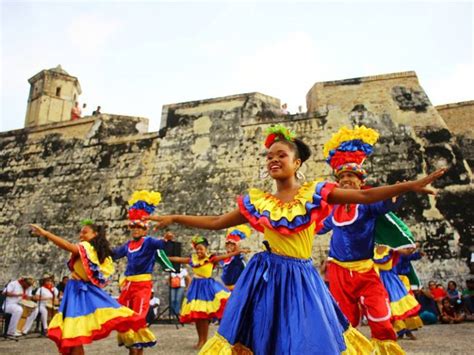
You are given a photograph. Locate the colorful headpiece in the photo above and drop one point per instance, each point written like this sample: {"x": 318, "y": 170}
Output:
{"x": 236, "y": 234}
{"x": 142, "y": 204}
{"x": 199, "y": 240}
{"x": 348, "y": 148}
{"x": 278, "y": 133}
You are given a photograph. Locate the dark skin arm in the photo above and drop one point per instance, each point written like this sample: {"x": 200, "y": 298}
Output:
{"x": 179, "y": 259}
{"x": 343, "y": 196}
{"x": 60, "y": 242}
{"x": 337, "y": 196}
{"x": 218, "y": 258}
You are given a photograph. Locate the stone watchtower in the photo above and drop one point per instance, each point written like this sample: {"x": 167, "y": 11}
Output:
{"x": 52, "y": 96}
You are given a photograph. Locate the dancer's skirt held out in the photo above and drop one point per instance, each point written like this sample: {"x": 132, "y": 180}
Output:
{"x": 88, "y": 313}
{"x": 206, "y": 299}
{"x": 280, "y": 305}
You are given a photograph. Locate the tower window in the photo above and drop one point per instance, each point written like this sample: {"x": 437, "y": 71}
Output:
{"x": 58, "y": 91}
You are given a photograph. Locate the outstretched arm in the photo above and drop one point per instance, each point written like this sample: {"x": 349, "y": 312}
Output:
{"x": 179, "y": 260}
{"x": 227, "y": 220}
{"x": 218, "y": 258}
{"x": 341, "y": 196}
{"x": 60, "y": 242}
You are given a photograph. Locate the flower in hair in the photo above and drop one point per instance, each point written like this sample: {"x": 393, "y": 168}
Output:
{"x": 278, "y": 133}
{"x": 86, "y": 222}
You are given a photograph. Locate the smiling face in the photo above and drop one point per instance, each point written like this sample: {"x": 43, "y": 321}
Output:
{"x": 87, "y": 234}
{"x": 281, "y": 161}
{"x": 230, "y": 247}
{"x": 138, "y": 232}
{"x": 348, "y": 180}
{"x": 201, "y": 250}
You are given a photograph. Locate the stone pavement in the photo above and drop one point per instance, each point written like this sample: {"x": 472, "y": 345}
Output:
{"x": 434, "y": 339}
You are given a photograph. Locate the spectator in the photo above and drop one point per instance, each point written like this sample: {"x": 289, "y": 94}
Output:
{"x": 429, "y": 311}
{"x": 467, "y": 298}
{"x": 449, "y": 315}
{"x": 61, "y": 286}
{"x": 154, "y": 309}
{"x": 454, "y": 295}
{"x": 76, "y": 112}
{"x": 97, "y": 111}
{"x": 84, "y": 105}
{"x": 178, "y": 282}
{"x": 284, "y": 109}
{"x": 438, "y": 293}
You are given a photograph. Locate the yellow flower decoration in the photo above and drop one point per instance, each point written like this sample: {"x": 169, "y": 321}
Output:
{"x": 367, "y": 135}
{"x": 150, "y": 197}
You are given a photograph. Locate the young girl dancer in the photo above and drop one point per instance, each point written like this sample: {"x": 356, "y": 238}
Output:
{"x": 87, "y": 313}
{"x": 280, "y": 304}
{"x": 233, "y": 266}
{"x": 206, "y": 298}
{"x": 403, "y": 305}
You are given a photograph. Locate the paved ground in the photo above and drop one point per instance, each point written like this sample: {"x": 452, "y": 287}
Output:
{"x": 434, "y": 339}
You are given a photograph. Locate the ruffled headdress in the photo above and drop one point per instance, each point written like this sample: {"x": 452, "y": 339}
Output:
{"x": 278, "y": 133}
{"x": 348, "y": 148}
{"x": 142, "y": 204}
{"x": 237, "y": 233}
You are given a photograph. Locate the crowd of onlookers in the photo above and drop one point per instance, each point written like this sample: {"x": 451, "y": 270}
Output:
{"x": 446, "y": 305}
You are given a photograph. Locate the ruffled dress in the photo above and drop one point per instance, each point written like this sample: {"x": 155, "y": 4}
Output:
{"x": 88, "y": 313}
{"x": 206, "y": 298}
{"x": 403, "y": 304}
{"x": 279, "y": 304}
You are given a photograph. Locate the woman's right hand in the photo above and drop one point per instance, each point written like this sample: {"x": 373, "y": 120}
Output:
{"x": 35, "y": 229}
{"x": 160, "y": 221}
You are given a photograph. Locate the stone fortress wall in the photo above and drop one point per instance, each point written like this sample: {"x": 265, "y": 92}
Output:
{"x": 207, "y": 152}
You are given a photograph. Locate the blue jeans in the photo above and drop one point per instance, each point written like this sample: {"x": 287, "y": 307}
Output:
{"x": 177, "y": 295}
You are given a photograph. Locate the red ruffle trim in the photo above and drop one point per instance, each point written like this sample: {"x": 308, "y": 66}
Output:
{"x": 120, "y": 324}
{"x": 194, "y": 316}
{"x": 411, "y": 313}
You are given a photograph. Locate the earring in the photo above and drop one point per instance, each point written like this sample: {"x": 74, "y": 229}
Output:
{"x": 300, "y": 175}
{"x": 264, "y": 174}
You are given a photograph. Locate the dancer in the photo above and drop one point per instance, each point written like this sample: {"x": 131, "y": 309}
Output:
{"x": 87, "y": 313}
{"x": 403, "y": 305}
{"x": 137, "y": 285}
{"x": 280, "y": 304}
{"x": 232, "y": 267}
{"x": 206, "y": 298}
{"x": 353, "y": 281}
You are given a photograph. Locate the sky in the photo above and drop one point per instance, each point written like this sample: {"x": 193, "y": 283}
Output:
{"x": 131, "y": 58}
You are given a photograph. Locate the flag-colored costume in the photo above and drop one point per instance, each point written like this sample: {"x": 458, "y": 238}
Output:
{"x": 352, "y": 277}
{"x": 87, "y": 313}
{"x": 406, "y": 271}
{"x": 403, "y": 305}
{"x": 137, "y": 285}
{"x": 232, "y": 267}
{"x": 280, "y": 305}
{"x": 206, "y": 298}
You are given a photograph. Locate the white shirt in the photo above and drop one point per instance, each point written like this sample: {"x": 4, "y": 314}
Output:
{"x": 15, "y": 287}
{"x": 182, "y": 274}
{"x": 155, "y": 301}
{"x": 46, "y": 295}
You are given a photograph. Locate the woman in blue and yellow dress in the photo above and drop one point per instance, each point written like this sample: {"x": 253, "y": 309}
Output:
{"x": 403, "y": 305}
{"x": 280, "y": 305}
{"x": 87, "y": 313}
{"x": 206, "y": 298}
